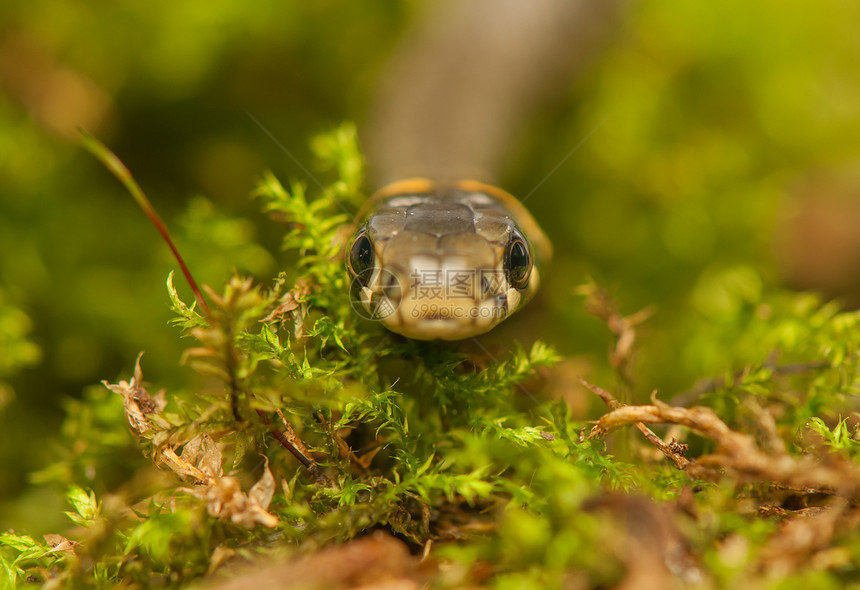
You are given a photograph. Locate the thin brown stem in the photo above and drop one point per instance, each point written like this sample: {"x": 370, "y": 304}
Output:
{"x": 291, "y": 441}
{"x": 736, "y": 452}
{"x": 672, "y": 451}
{"x": 123, "y": 174}
{"x": 111, "y": 161}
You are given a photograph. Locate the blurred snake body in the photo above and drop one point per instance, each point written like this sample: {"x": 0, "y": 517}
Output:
{"x": 445, "y": 258}
{"x": 444, "y": 261}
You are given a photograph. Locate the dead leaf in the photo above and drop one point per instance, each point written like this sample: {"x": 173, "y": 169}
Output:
{"x": 220, "y": 555}
{"x": 262, "y": 492}
{"x": 291, "y": 306}
{"x": 202, "y": 452}
{"x": 225, "y": 500}
{"x": 141, "y": 409}
{"x": 181, "y": 467}
{"x": 59, "y": 543}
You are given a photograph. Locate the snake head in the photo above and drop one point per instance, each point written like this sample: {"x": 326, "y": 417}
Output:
{"x": 442, "y": 261}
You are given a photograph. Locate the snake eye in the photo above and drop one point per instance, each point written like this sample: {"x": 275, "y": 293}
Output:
{"x": 518, "y": 261}
{"x": 360, "y": 259}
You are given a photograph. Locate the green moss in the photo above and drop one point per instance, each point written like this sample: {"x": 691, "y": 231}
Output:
{"x": 420, "y": 440}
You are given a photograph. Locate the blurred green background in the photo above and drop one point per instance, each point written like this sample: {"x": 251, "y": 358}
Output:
{"x": 714, "y": 115}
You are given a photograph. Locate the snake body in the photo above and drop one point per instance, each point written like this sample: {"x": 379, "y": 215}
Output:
{"x": 444, "y": 261}
{"x": 450, "y": 260}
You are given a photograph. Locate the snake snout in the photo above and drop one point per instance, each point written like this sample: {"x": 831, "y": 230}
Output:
{"x": 438, "y": 296}
{"x": 446, "y": 261}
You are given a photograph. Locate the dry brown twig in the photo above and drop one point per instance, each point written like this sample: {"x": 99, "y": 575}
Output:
{"x": 227, "y": 371}
{"x": 673, "y": 451}
{"x": 292, "y": 307}
{"x": 736, "y": 452}
{"x": 599, "y": 303}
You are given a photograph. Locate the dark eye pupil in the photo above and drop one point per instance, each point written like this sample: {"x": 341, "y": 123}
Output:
{"x": 518, "y": 263}
{"x": 361, "y": 258}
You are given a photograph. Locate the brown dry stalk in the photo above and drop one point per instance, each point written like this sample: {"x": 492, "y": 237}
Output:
{"x": 673, "y": 451}
{"x": 600, "y": 304}
{"x": 736, "y": 452}
{"x": 112, "y": 162}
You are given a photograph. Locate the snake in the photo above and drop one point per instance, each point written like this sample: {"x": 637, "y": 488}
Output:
{"x": 435, "y": 256}
{"x": 444, "y": 261}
